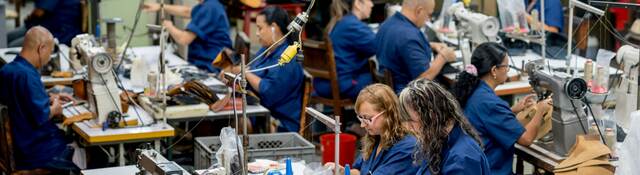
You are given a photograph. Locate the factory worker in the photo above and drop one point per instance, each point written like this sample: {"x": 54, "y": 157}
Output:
{"x": 280, "y": 88}
{"x": 489, "y": 114}
{"x": 447, "y": 143}
{"x": 206, "y": 34}
{"x": 553, "y": 17}
{"x": 60, "y": 17}
{"x": 387, "y": 146}
{"x": 404, "y": 50}
{"x": 353, "y": 44}
{"x": 38, "y": 143}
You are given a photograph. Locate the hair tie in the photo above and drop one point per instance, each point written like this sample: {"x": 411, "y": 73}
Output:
{"x": 471, "y": 69}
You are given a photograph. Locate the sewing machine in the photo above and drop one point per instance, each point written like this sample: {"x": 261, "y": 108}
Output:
{"x": 627, "y": 91}
{"x": 567, "y": 108}
{"x": 480, "y": 28}
{"x": 103, "y": 94}
{"x": 152, "y": 162}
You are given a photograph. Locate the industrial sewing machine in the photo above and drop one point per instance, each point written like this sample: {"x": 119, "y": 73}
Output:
{"x": 478, "y": 27}
{"x": 152, "y": 162}
{"x": 568, "y": 118}
{"x": 103, "y": 94}
{"x": 627, "y": 91}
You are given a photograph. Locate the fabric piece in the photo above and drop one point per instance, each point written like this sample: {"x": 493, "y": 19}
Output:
{"x": 526, "y": 115}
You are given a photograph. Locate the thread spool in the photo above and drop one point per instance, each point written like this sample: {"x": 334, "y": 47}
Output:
{"x": 610, "y": 137}
{"x": 588, "y": 71}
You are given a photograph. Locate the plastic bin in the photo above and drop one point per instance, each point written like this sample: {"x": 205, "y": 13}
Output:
{"x": 261, "y": 146}
{"x": 347, "y": 148}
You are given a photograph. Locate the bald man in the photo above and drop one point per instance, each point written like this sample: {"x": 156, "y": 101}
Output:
{"x": 404, "y": 50}
{"x": 38, "y": 143}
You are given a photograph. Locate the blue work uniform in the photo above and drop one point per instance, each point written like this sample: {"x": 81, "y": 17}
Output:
{"x": 210, "y": 24}
{"x": 353, "y": 44}
{"x": 62, "y": 18}
{"x": 553, "y": 15}
{"x": 37, "y": 141}
{"x": 281, "y": 89}
{"x": 402, "y": 49}
{"x": 462, "y": 155}
{"x": 396, "y": 159}
{"x": 497, "y": 125}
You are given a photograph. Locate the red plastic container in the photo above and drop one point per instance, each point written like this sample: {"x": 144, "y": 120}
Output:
{"x": 347, "y": 148}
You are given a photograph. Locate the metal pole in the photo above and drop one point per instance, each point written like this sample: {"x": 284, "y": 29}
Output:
{"x": 337, "y": 146}
{"x": 569, "y": 43}
{"x": 245, "y": 137}
{"x": 544, "y": 33}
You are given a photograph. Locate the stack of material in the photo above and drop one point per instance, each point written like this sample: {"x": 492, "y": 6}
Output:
{"x": 587, "y": 157}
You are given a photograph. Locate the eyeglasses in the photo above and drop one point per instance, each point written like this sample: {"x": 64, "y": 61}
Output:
{"x": 368, "y": 121}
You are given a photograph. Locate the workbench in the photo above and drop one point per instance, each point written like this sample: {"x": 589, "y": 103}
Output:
{"x": 522, "y": 85}
{"x": 153, "y": 52}
{"x": 92, "y": 134}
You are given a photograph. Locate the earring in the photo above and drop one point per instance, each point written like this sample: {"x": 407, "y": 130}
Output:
{"x": 494, "y": 77}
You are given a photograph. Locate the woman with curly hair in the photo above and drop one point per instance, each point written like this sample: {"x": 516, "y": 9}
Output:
{"x": 387, "y": 146}
{"x": 447, "y": 143}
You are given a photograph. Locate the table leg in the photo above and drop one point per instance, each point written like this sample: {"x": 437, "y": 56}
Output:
{"x": 157, "y": 144}
{"x": 121, "y": 154}
{"x": 169, "y": 152}
{"x": 519, "y": 166}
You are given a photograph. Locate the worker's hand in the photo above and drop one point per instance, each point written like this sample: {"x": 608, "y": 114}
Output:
{"x": 167, "y": 23}
{"x": 232, "y": 69}
{"x": 437, "y": 46}
{"x": 151, "y": 7}
{"x": 65, "y": 98}
{"x": 524, "y": 103}
{"x": 544, "y": 106}
{"x": 448, "y": 54}
{"x": 56, "y": 107}
{"x": 332, "y": 166}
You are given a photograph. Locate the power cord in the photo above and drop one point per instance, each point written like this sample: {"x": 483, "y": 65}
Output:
{"x": 579, "y": 118}
{"x": 135, "y": 25}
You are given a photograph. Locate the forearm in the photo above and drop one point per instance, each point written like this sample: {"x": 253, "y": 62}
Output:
{"x": 51, "y": 113}
{"x": 180, "y": 36}
{"x": 434, "y": 69}
{"x": 531, "y": 129}
{"x": 178, "y": 10}
{"x": 254, "y": 81}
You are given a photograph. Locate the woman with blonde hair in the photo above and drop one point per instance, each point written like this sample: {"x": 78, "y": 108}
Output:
{"x": 387, "y": 146}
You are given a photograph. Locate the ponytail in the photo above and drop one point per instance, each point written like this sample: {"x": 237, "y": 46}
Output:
{"x": 339, "y": 8}
{"x": 484, "y": 58}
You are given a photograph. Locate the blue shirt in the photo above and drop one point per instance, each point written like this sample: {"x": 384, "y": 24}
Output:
{"x": 281, "y": 89}
{"x": 462, "y": 155}
{"x": 62, "y": 18}
{"x": 497, "y": 126}
{"x": 36, "y": 139}
{"x": 353, "y": 44}
{"x": 402, "y": 49}
{"x": 553, "y": 15}
{"x": 211, "y": 26}
{"x": 396, "y": 160}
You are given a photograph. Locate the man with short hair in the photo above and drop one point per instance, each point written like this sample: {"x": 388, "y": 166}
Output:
{"x": 404, "y": 50}
{"x": 38, "y": 143}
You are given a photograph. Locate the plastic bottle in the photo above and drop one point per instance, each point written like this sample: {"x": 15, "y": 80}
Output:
{"x": 289, "y": 167}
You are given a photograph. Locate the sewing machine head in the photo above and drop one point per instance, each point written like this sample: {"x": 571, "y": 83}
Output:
{"x": 102, "y": 89}
{"x": 479, "y": 27}
{"x": 566, "y": 92}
